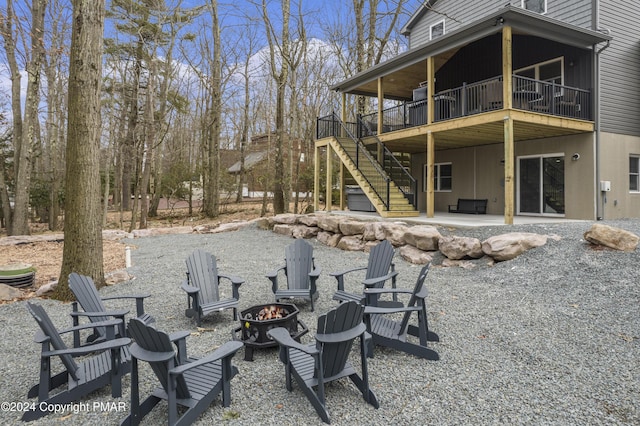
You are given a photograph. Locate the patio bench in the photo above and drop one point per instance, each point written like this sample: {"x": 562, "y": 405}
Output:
{"x": 469, "y": 206}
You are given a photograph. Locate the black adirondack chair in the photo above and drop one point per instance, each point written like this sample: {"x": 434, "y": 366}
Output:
{"x": 203, "y": 290}
{"x": 327, "y": 360}
{"x": 88, "y": 297}
{"x": 94, "y": 372}
{"x": 394, "y": 334}
{"x": 301, "y": 274}
{"x": 379, "y": 269}
{"x": 188, "y": 382}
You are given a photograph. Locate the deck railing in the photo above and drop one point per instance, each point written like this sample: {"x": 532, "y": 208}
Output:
{"x": 483, "y": 96}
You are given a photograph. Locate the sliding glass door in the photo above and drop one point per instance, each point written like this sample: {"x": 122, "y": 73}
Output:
{"x": 541, "y": 185}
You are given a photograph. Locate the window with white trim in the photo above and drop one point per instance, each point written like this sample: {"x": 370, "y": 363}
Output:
{"x": 442, "y": 177}
{"x": 538, "y": 6}
{"x": 436, "y": 30}
{"x": 551, "y": 71}
{"x": 634, "y": 173}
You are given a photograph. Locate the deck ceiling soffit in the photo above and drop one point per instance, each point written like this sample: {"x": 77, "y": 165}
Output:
{"x": 404, "y": 72}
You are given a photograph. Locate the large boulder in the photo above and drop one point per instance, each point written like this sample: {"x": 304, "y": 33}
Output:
{"x": 423, "y": 237}
{"x": 456, "y": 248}
{"x": 351, "y": 227}
{"x": 508, "y": 246}
{"x": 373, "y": 231}
{"x": 301, "y": 231}
{"x": 611, "y": 237}
{"x": 283, "y": 229}
{"x": 414, "y": 255}
{"x": 394, "y": 232}
{"x": 286, "y": 218}
{"x": 329, "y": 238}
{"x": 351, "y": 243}
{"x": 330, "y": 223}
{"x": 308, "y": 219}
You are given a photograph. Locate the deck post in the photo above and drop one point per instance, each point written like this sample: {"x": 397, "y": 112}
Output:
{"x": 329, "y": 192}
{"x": 430, "y": 165}
{"x": 507, "y": 90}
{"x": 316, "y": 178}
{"x": 380, "y": 116}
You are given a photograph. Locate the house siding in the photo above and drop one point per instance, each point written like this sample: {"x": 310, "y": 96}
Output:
{"x": 620, "y": 68}
{"x": 458, "y": 13}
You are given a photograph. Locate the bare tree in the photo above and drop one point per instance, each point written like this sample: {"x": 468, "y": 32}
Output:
{"x": 279, "y": 63}
{"x": 83, "y": 218}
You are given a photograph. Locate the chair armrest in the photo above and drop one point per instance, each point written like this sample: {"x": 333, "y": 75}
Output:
{"x": 234, "y": 280}
{"x": 84, "y": 350}
{"x": 119, "y": 313}
{"x": 191, "y": 290}
{"x": 107, "y": 323}
{"x": 340, "y": 275}
{"x": 337, "y": 274}
{"x": 282, "y": 336}
{"x": 387, "y": 290}
{"x": 373, "y": 281}
{"x": 273, "y": 276}
{"x": 136, "y": 296}
{"x": 274, "y": 273}
{"x": 227, "y": 350}
{"x": 139, "y": 301}
{"x": 315, "y": 273}
{"x": 370, "y": 310}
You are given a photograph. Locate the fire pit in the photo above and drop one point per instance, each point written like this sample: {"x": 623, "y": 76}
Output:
{"x": 257, "y": 320}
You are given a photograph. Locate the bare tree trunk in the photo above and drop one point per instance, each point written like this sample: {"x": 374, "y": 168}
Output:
{"x": 212, "y": 203}
{"x": 83, "y": 218}
{"x": 281, "y": 77}
{"x": 30, "y": 136}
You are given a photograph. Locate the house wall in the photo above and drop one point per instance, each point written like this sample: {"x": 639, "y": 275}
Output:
{"x": 620, "y": 68}
{"x": 458, "y": 13}
{"x": 478, "y": 172}
{"x": 615, "y": 151}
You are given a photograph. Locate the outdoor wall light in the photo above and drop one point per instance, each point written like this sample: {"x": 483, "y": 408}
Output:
{"x": 499, "y": 21}
{"x": 575, "y": 157}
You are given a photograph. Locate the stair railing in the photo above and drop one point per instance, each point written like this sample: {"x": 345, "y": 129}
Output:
{"x": 370, "y": 169}
{"x": 398, "y": 173}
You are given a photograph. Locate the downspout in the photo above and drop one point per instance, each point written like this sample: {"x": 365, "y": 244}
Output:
{"x": 596, "y": 58}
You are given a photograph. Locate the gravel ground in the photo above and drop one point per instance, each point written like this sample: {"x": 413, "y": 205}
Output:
{"x": 551, "y": 337}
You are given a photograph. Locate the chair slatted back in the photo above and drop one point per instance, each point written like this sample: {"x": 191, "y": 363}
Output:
{"x": 380, "y": 259}
{"x": 202, "y": 272}
{"x": 150, "y": 339}
{"x": 415, "y": 298}
{"x": 299, "y": 261}
{"x": 86, "y": 293}
{"x": 50, "y": 331}
{"x": 345, "y": 317}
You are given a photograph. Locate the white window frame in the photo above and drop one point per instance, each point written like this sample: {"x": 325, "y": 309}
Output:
{"x": 436, "y": 177}
{"x": 434, "y": 25}
{"x": 537, "y": 66}
{"x": 524, "y": 6}
{"x": 635, "y": 175}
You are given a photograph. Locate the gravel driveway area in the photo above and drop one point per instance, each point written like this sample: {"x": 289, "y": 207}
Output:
{"x": 551, "y": 337}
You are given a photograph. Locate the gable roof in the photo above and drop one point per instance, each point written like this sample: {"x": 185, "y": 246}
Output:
{"x": 249, "y": 161}
{"x": 422, "y": 10}
{"x": 410, "y": 65}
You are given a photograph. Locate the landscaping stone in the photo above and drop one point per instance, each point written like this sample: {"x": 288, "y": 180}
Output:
{"x": 508, "y": 246}
{"x": 456, "y": 248}
{"x": 423, "y": 237}
{"x": 414, "y": 255}
{"x": 615, "y": 238}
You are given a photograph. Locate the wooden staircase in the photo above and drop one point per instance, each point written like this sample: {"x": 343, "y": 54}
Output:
{"x": 368, "y": 178}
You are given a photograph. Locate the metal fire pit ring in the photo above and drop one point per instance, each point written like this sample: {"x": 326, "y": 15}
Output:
{"x": 253, "y": 332}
